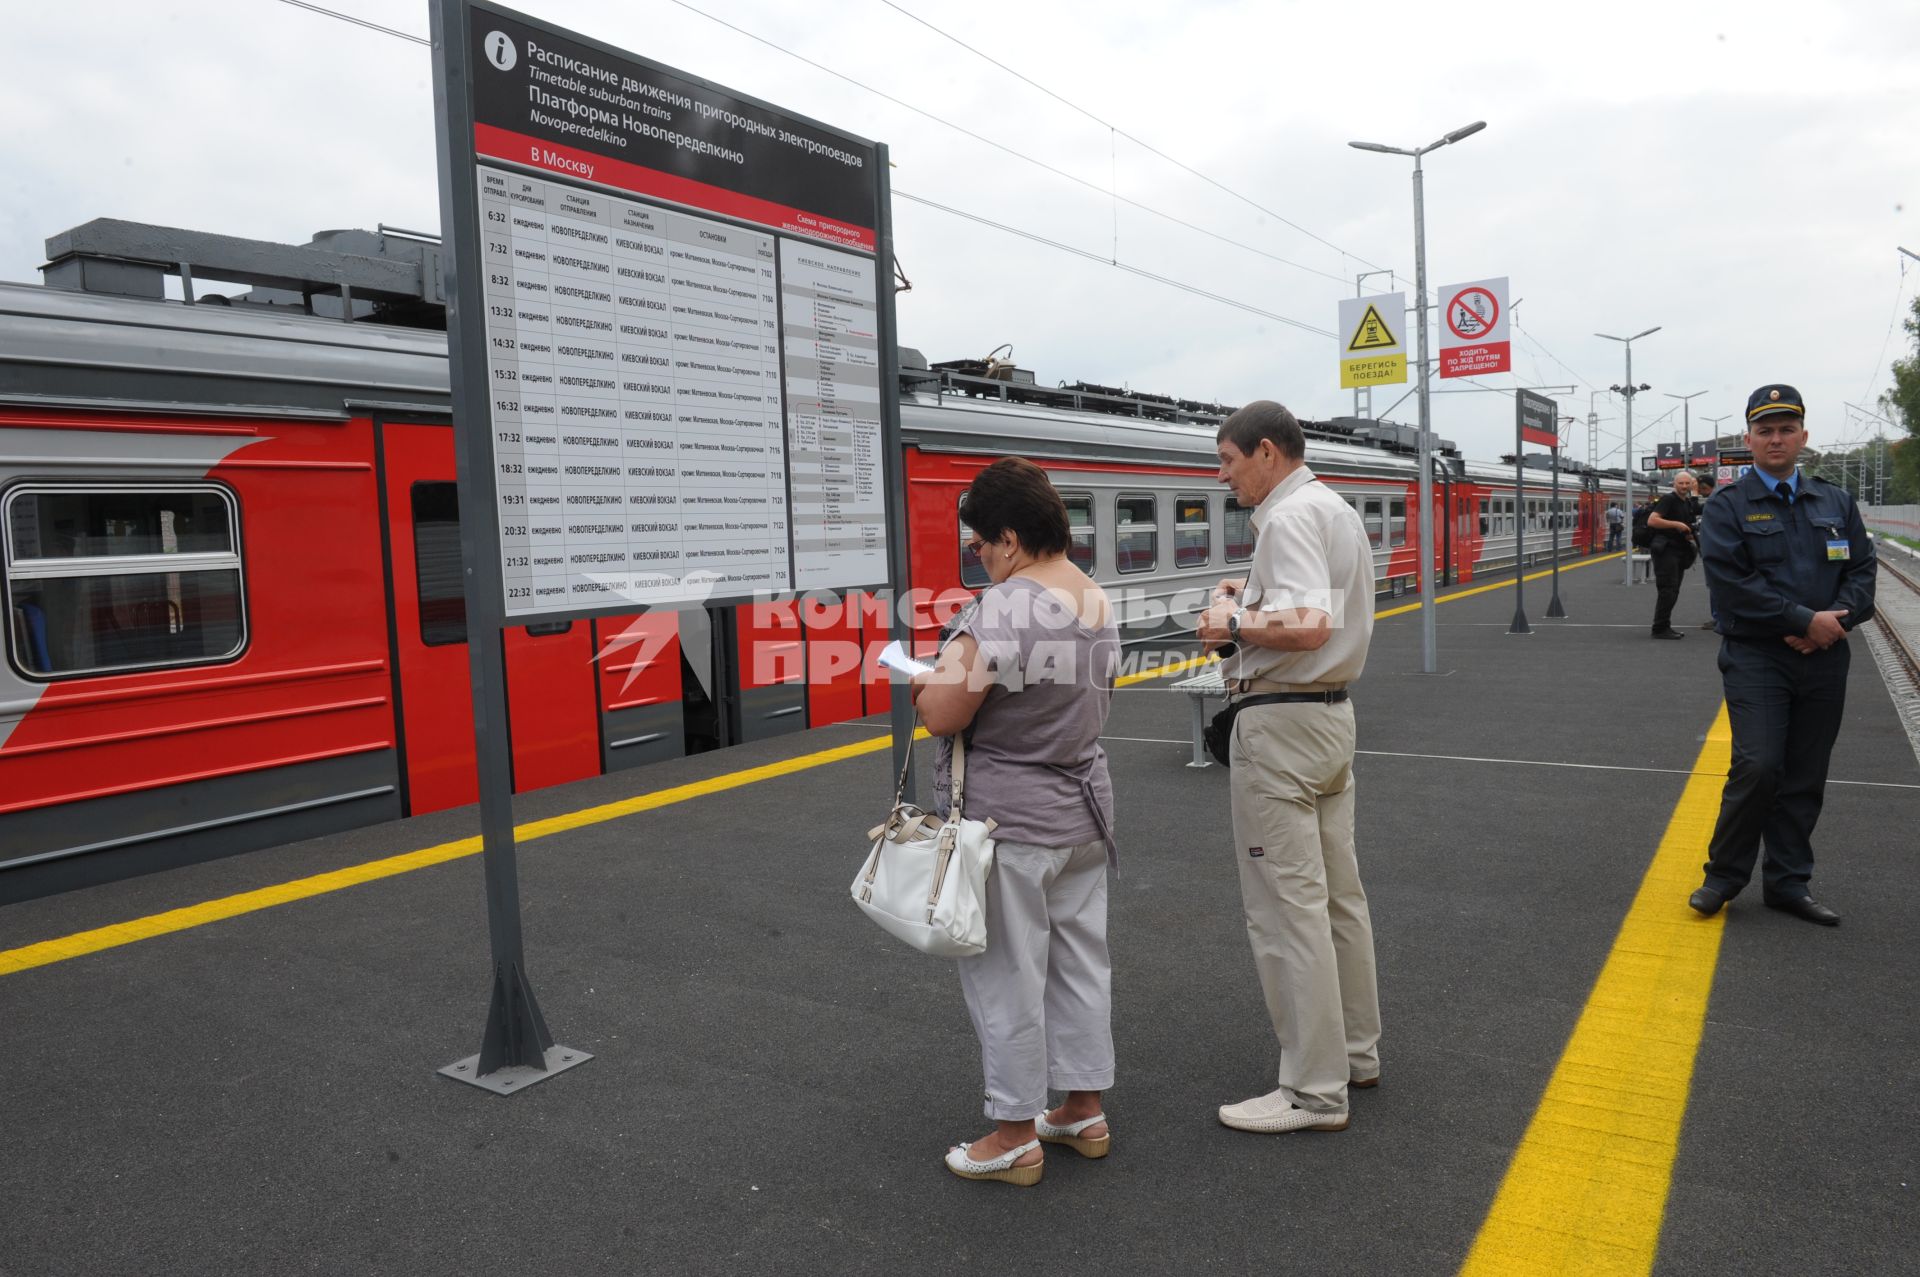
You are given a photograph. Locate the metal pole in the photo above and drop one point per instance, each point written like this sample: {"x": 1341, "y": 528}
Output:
{"x": 1428, "y": 637}
{"x": 899, "y": 705}
{"x": 516, "y": 1049}
{"x": 1628, "y": 392}
{"x": 1519, "y": 625}
{"x": 1554, "y": 609}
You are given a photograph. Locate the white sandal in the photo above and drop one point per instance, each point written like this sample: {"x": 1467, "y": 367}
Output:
{"x": 1071, "y": 1137}
{"x": 1002, "y": 1168}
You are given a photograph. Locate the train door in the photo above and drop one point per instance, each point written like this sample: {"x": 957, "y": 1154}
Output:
{"x": 552, "y": 706}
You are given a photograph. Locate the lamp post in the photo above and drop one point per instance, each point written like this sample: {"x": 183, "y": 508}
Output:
{"x": 1686, "y": 424}
{"x": 1628, "y": 391}
{"x": 1428, "y": 663}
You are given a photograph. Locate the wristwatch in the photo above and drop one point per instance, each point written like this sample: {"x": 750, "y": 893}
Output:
{"x": 1233, "y": 624}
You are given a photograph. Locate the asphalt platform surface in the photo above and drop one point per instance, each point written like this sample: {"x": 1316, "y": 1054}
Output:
{"x": 775, "y": 1080}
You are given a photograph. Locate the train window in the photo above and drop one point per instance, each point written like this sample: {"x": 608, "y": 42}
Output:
{"x": 1373, "y": 514}
{"x": 1397, "y": 521}
{"x": 1080, "y": 551}
{"x": 1239, "y": 529}
{"x": 973, "y": 573}
{"x": 436, "y": 564}
{"x": 1486, "y": 521}
{"x": 1135, "y": 534}
{"x": 107, "y": 580}
{"x": 1192, "y": 532}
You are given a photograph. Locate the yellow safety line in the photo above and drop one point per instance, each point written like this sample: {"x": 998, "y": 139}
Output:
{"x": 84, "y": 942}
{"x": 1161, "y": 671}
{"x": 159, "y": 924}
{"x": 1587, "y": 1187}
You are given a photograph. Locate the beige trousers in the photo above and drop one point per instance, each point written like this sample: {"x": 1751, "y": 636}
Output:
{"x": 1300, "y": 884}
{"x": 1041, "y": 996}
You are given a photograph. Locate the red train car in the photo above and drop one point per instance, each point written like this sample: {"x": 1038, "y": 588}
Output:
{"x": 231, "y": 563}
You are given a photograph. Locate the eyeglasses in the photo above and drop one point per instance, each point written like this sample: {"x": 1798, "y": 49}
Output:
{"x": 974, "y": 546}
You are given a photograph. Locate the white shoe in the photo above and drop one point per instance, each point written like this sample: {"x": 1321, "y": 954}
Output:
{"x": 1274, "y": 1114}
{"x": 1071, "y": 1137}
{"x": 1002, "y": 1168}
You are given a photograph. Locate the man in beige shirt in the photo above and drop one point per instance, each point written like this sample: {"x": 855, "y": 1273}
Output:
{"x": 1300, "y": 622}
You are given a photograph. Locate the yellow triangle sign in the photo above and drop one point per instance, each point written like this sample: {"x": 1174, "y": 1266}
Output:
{"x": 1372, "y": 332}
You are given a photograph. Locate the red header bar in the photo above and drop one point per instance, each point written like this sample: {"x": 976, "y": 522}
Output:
{"x": 518, "y": 148}
{"x": 1545, "y": 438}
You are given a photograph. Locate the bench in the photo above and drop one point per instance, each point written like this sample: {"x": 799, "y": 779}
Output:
{"x": 1199, "y": 689}
{"x": 1642, "y": 566}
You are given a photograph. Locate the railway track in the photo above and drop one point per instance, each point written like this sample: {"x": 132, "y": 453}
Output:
{"x": 1898, "y": 615}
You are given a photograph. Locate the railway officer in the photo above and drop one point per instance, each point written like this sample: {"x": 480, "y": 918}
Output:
{"x": 1791, "y": 573}
{"x": 1301, "y": 621}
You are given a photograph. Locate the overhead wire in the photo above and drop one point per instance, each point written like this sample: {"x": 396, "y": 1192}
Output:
{"x": 1008, "y": 150}
{"x": 1104, "y": 260}
{"x": 1136, "y": 140}
{"x": 359, "y": 22}
{"x": 1899, "y": 295}
{"x": 1109, "y": 260}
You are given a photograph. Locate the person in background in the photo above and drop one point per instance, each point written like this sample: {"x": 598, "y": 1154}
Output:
{"x": 1672, "y": 519}
{"x": 1026, "y": 673}
{"x": 1300, "y": 622}
{"x": 1792, "y": 574}
{"x": 1707, "y": 489}
{"x": 1616, "y": 523}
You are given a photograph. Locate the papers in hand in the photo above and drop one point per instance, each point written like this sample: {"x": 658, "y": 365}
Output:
{"x": 895, "y": 657}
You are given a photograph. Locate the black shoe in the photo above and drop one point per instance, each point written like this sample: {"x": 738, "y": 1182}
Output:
{"x": 1706, "y": 902}
{"x": 1808, "y": 908}
{"x": 1668, "y": 633}
{"x": 1708, "y": 625}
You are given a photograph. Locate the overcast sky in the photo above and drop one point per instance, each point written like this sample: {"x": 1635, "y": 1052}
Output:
{"x": 1738, "y": 173}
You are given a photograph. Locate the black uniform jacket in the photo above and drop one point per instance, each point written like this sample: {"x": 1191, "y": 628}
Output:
{"x": 1771, "y": 565}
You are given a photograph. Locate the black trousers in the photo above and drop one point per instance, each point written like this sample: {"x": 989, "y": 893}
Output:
{"x": 1667, "y": 571}
{"x": 1785, "y": 711}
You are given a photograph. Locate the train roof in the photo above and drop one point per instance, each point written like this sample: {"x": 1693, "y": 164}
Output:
{"x": 61, "y": 348}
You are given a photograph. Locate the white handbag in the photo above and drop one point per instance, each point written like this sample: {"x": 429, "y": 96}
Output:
{"x": 925, "y": 879}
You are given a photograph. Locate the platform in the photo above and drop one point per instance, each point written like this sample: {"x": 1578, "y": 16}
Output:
{"x": 774, "y": 1080}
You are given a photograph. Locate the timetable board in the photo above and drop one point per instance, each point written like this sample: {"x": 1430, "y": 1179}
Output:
{"x": 683, "y": 328}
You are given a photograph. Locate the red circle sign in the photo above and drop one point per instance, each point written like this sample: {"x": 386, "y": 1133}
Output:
{"x": 1472, "y": 313}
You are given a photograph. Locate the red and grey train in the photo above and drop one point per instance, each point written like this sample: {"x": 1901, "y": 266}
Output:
{"x": 233, "y": 591}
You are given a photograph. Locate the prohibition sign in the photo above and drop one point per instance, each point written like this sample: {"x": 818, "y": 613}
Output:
{"x": 1472, "y": 313}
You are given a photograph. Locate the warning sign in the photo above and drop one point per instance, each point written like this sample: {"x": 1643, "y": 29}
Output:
{"x": 1373, "y": 348}
{"x": 1473, "y": 336}
{"x": 1372, "y": 333}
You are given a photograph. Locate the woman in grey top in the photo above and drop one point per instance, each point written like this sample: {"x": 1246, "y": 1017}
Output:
{"x": 1026, "y": 673}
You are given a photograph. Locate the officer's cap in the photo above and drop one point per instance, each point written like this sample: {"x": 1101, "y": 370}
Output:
{"x": 1768, "y": 400}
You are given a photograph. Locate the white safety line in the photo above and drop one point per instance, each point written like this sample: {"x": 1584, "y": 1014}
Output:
{"x": 1597, "y": 767}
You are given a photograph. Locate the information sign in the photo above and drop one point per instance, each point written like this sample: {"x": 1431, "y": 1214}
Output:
{"x": 1473, "y": 330}
{"x": 1535, "y": 415}
{"x": 1373, "y": 348}
{"x": 682, "y": 318}
{"x": 1701, "y": 452}
{"x": 1668, "y": 456}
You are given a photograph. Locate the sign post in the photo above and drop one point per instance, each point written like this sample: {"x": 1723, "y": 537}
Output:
{"x": 669, "y": 329}
{"x": 1474, "y": 338}
{"x": 1533, "y": 422}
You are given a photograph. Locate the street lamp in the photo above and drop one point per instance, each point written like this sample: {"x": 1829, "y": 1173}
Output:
{"x": 1428, "y": 642}
{"x": 1686, "y": 424}
{"x": 1629, "y": 390}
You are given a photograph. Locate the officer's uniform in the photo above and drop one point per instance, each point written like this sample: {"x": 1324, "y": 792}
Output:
{"x": 1772, "y": 560}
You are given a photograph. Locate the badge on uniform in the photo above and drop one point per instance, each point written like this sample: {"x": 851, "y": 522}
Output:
{"x": 1836, "y": 550}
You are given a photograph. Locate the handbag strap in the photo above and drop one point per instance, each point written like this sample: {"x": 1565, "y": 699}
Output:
{"x": 957, "y": 769}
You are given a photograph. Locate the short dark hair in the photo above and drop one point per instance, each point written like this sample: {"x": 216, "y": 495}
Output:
{"x": 1015, "y": 495}
{"x": 1264, "y": 419}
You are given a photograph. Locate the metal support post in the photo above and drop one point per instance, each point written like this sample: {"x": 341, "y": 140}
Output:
{"x": 516, "y": 1050}
{"x": 1555, "y": 611}
{"x": 900, "y": 715}
{"x": 1519, "y": 625}
{"x": 1429, "y": 640}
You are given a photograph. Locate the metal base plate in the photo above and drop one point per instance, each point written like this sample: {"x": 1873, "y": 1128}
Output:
{"x": 515, "y": 1078}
